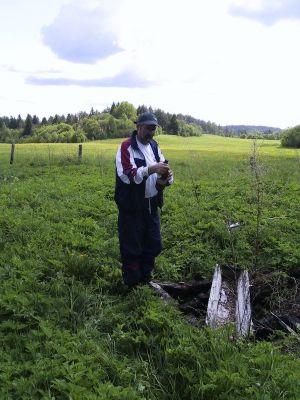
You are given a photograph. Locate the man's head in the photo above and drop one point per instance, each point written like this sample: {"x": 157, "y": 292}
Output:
{"x": 146, "y": 125}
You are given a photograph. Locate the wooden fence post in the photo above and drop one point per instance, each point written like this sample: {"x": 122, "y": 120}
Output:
{"x": 12, "y": 153}
{"x": 80, "y": 152}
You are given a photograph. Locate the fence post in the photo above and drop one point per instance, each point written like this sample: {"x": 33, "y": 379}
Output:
{"x": 80, "y": 152}
{"x": 12, "y": 153}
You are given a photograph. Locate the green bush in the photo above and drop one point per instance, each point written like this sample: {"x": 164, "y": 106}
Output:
{"x": 291, "y": 137}
{"x": 188, "y": 129}
{"x": 56, "y": 133}
{"x": 9, "y": 135}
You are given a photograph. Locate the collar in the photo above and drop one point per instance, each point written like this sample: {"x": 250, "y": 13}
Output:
{"x": 133, "y": 140}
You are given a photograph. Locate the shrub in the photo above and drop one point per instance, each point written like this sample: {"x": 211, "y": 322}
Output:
{"x": 8, "y": 135}
{"x": 291, "y": 137}
{"x": 61, "y": 133}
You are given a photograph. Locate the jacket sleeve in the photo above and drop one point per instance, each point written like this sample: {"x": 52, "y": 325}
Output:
{"x": 126, "y": 167}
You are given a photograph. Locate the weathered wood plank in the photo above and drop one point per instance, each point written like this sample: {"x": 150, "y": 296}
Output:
{"x": 229, "y": 302}
{"x": 243, "y": 305}
{"x": 214, "y": 298}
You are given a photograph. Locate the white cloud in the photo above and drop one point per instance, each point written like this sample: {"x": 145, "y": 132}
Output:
{"x": 267, "y": 12}
{"x": 126, "y": 79}
{"x": 81, "y": 34}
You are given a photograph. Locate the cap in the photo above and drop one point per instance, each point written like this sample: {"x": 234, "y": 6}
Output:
{"x": 147, "y": 118}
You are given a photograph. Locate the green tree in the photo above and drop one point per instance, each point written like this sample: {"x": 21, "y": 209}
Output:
{"x": 124, "y": 127}
{"x": 173, "y": 125}
{"x": 91, "y": 127}
{"x": 125, "y": 110}
{"x": 111, "y": 127}
{"x": 291, "y": 137}
{"x": 20, "y": 122}
{"x": 188, "y": 129}
{"x": 81, "y": 115}
{"x": 163, "y": 118}
{"x": 56, "y": 119}
{"x": 113, "y": 106}
{"x": 141, "y": 109}
{"x": 13, "y": 123}
{"x": 28, "y": 126}
{"x": 35, "y": 120}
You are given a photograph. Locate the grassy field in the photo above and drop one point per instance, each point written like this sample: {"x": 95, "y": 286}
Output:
{"x": 205, "y": 143}
{"x": 70, "y": 330}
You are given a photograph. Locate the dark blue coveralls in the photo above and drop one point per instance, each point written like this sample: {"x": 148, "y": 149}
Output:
{"x": 138, "y": 224}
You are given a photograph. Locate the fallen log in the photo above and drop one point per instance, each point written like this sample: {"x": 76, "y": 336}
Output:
{"x": 157, "y": 287}
{"x": 183, "y": 290}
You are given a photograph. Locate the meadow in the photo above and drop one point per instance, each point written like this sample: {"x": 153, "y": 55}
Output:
{"x": 70, "y": 330}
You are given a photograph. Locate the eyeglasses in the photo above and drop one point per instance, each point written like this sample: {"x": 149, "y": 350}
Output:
{"x": 151, "y": 127}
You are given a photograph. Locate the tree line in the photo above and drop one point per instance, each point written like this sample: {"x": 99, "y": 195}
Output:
{"x": 112, "y": 122}
{"x": 117, "y": 121}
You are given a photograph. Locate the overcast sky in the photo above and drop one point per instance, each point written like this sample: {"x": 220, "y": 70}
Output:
{"x": 227, "y": 61}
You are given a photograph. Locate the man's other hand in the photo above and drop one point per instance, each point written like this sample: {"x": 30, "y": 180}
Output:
{"x": 159, "y": 168}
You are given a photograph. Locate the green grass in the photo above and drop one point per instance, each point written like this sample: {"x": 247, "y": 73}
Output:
{"x": 205, "y": 144}
{"x": 70, "y": 330}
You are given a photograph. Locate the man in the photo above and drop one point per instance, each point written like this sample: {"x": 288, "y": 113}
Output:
{"x": 142, "y": 173}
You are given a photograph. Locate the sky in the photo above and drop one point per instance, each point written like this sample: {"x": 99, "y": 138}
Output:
{"x": 226, "y": 61}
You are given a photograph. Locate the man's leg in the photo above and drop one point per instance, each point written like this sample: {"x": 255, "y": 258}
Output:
{"x": 130, "y": 238}
{"x": 151, "y": 246}
{"x": 147, "y": 266}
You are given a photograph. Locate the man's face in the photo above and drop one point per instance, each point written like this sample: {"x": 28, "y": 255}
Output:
{"x": 145, "y": 133}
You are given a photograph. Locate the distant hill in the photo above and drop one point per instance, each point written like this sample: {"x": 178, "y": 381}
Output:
{"x": 238, "y": 129}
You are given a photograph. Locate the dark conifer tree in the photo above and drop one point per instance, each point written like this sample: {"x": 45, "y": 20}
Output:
{"x": 141, "y": 109}
{"x": 35, "y": 120}
{"x": 81, "y": 115}
{"x": 173, "y": 126}
{"x": 113, "y": 106}
{"x": 69, "y": 119}
{"x": 13, "y": 124}
{"x": 20, "y": 122}
{"x": 28, "y": 126}
{"x": 163, "y": 118}
{"x": 56, "y": 119}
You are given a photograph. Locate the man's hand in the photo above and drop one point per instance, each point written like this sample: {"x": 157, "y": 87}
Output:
{"x": 159, "y": 168}
{"x": 162, "y": 183}
{"x": 170, "y": 175}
